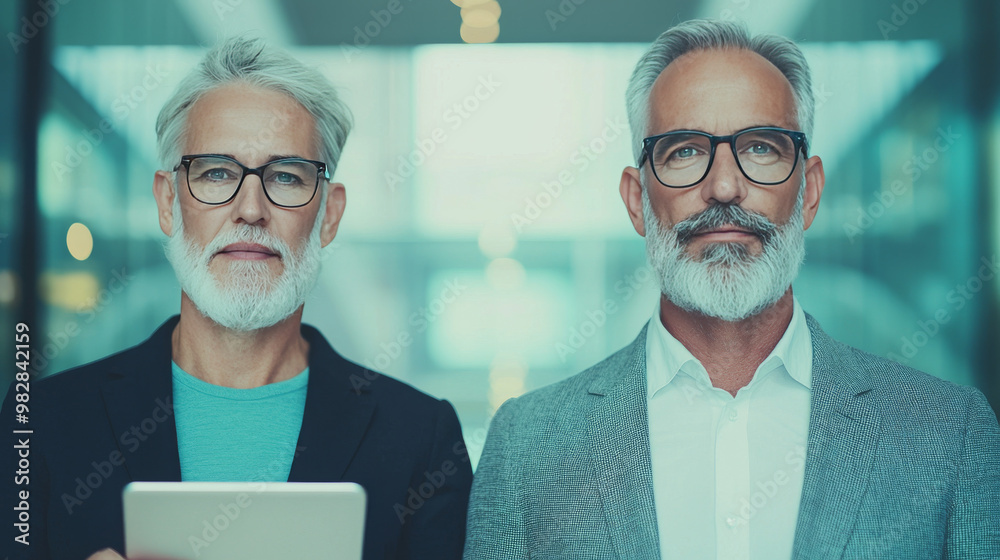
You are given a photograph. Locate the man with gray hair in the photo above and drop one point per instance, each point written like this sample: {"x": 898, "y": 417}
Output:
{"x": 733, "y": 427}
{"x": 236, "y": 388}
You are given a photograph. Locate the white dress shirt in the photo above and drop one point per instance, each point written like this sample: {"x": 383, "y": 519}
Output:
{"x": 727, "y": 471}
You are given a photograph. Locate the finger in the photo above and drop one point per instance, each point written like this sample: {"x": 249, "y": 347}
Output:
{"x": 106, "y": 554}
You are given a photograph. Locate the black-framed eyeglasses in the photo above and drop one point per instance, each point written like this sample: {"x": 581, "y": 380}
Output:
{"x": 765, "y": 155}
{"x": 288, "y": 182}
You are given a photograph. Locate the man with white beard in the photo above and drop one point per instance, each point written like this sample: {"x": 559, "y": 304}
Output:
{"x": 733, "y": 427}
{"x": 236, "y": 388}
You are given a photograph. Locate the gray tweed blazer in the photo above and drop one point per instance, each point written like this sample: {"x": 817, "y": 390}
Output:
{"x": 899, "y": 465}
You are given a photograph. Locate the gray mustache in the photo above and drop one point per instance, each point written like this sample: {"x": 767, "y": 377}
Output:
{"x": 718, "y": 215}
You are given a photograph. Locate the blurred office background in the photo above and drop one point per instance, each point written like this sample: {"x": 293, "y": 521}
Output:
{"x": 484, "y": 241}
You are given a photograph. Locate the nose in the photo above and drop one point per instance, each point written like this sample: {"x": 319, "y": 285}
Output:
{"x": 725, "y": 183}
{"x": 251, "y": 205}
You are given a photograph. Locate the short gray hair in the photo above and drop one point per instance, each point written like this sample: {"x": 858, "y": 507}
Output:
{"x": 251, "y": 61}
{"x": 705, "y": 34}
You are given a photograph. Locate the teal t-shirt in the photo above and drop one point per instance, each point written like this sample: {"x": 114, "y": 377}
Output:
{"x": 237, "y": 435}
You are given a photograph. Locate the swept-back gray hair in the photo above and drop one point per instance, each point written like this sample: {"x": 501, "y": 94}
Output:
{"x": 251, "y": 61}
{"x": 704, "y": 34}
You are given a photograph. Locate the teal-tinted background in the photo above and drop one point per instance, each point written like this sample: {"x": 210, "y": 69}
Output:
{"x": 497, "y": 253}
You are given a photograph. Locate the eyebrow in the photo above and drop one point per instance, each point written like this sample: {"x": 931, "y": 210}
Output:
{"x": 760, "y": 125}
{"x": 275, "y": 158}
{"x": 269, "y": 158}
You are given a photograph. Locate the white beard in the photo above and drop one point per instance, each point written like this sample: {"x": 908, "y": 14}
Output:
{"x": 725, "y": 281}
{"x": 244, "y": 297}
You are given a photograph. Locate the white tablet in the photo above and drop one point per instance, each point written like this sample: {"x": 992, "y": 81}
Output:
{"x": 246, "y": 520}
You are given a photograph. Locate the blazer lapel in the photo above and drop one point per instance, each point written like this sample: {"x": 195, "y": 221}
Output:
{"x": 138, "y": 400}
{"x": 139, "y": 403}
{"x": 619, "y": 441}
{"x": 844, "y": 429}
{"x": 337, "y": 414}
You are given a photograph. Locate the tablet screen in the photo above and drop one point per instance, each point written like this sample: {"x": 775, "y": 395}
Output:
{"x": 246, "y": 520}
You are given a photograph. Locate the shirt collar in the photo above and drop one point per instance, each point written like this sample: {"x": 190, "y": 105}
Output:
{"x": 794, "y": 350}
{"x": 666, "y": 356}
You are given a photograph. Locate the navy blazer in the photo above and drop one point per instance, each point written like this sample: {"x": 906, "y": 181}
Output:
{"x": 102, "y": 425}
